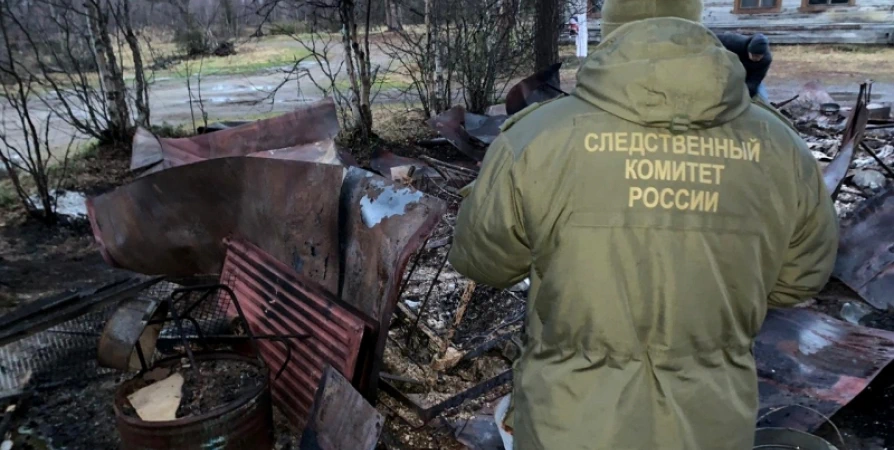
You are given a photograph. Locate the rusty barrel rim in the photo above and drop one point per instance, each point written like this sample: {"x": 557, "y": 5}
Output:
{"x": 123, "y": 391}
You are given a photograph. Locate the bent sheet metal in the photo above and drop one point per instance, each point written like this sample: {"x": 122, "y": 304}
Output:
{"x": 305, "y": 134}
{"x": 836, "y": 171}
{"x": 866, "y": 251}
{"x": 173, "y": 222}
{"x": 809, "y": 359}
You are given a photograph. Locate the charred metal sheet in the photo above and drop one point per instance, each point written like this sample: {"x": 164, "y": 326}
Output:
{"x": 45, "y": 313}
{"x": 341, "y": 419}
{"x": 174, "y": 222}
{"x": 540, "y": 87}
{"x": 810, "y": 359}
{"x": 314, "y": 123}
{"x": 382, "y": 225}
{"x": 451, "y": 125}
{"x": 128, "y": 339}
{"x": 243, "y": 424}
{"x": 866, "y": 251}
{"x": 278, "y": 301}
{"x": 469, "y": 133}
{"x": 836, "y": 171}
{"x": 472, "y": 133}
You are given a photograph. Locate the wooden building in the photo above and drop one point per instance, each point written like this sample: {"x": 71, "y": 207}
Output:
{"x": 795, "y": 21}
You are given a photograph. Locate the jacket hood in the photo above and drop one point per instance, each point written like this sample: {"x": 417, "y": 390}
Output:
{"x": 665, "y": 73}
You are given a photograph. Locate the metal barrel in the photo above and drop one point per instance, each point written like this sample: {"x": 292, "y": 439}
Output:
{"x": 244, "y": 424}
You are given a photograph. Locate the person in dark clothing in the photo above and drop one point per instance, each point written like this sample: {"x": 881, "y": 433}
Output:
{"x": 754, "y": 52}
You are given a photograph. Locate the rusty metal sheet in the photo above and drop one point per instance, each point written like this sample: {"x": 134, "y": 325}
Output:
{"x": 866, "y": 251}
{"x": 322, "y": 152}
{"x": 173, "y": 222}
{"x": 128, "y": 339}
{"x": 451, "y": 125}
{"x": 810, "y": 359}
{"x": 314, "y": 123}
{"x": 542, "y": 86}
{"x": 383, "y": 225}
{"x": 341, "y": 419}
{"x": 836, "y": 171}
{"x": 278, "y": 301}
{"x": 245, "y": 423}
{"x": 472, "y": 133}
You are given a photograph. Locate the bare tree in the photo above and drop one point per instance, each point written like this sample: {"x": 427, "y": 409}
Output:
{"x": 476, "y": 45}
{"x": 119, "y": 124}
{"x": 63, "y": 43}
{"x": 546, "y": 32}
{"x": 353, "y": 57}
{"x": 141, "y": 96}
{"x": 31, "y": 155}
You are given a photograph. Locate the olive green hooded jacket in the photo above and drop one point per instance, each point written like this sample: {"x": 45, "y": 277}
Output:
{"x": 658, "y": 214}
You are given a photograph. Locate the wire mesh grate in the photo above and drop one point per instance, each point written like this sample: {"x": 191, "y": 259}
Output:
{"x": 68, "y": 351}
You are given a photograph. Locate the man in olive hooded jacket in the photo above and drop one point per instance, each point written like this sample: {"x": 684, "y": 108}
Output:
{"x": 658, "y": 213}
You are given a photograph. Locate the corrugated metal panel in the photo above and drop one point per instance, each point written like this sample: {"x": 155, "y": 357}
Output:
{"x": 278, "y": 301}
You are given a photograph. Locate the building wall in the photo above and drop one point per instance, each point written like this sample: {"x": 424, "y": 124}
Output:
{"x": 863, "y": 11}
{"x": 866, "y": 22}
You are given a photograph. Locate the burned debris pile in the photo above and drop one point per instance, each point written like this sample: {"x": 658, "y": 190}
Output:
{"x": 283, "y": 297}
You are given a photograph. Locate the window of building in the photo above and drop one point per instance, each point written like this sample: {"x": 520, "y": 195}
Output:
{"x": 819, "y": 4}
{"x": 758, "y": 6}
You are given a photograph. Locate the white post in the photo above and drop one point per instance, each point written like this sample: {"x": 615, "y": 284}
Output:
{"x": 582, "y": 35}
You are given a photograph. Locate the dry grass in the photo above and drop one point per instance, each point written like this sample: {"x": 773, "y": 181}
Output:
{"x": 829, "y": 63}
{"x": 251, "y": 56}
{"x": 834, "y": 63}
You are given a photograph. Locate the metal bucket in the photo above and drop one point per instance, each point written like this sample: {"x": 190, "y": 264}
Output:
{"x": 244, "y": 424}
{"x": 788, "y": 439}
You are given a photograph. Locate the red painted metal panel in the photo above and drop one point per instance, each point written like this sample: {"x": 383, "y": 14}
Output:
{"x": 278, "y": 301}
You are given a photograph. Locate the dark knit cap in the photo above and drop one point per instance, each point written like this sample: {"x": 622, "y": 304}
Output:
{"x": 759, "y": 45}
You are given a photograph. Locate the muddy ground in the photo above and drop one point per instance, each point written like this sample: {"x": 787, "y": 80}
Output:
{"x": 36, "y": 261}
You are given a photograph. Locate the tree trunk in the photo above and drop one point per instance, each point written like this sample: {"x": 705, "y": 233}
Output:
{"x": 546, "y": 33}
{"x": 142, "y": 94}
{"x": 392, "y": 16}
{"x": 357, "y": 68}
{"x": 116, "y": 89}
